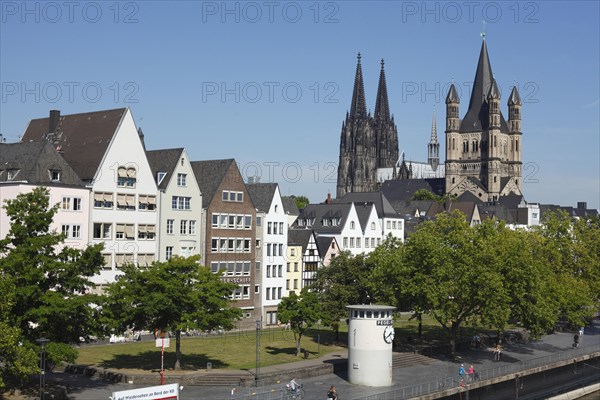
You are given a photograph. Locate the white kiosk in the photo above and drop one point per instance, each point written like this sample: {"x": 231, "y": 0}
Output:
{"x": 370, "y": 338}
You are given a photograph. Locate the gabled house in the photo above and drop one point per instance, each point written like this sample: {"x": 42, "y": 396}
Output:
{"x": 27, "y": 165}
{"x": 272, "y": 234}
{"x": 180, "y": 227}
{"x": 297, "y": 239}
{"x": 306, "y": 239}
{"x": 107, "y": 154}
{"x": 230, "y": 231}
{"x": 328, "y": 249}
{"x": 389, "y": 220}
{"x": 291, "y": 210}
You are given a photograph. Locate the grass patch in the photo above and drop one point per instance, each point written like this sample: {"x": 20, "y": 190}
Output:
{"x": 237, "y": 350}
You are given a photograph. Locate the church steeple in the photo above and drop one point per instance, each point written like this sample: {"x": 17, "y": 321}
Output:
{"x": 433, "y": 148}
{"x": 382, "y": 107}
{"x": 358, "y": 109}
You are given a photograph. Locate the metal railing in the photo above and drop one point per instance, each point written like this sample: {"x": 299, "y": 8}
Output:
{"x": 422, "y": 389}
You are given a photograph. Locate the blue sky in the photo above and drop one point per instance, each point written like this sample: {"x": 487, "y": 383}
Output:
{"x": 268, "y": 83}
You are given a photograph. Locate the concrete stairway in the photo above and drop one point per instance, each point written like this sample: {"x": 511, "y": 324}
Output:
{"x": 402, "y": 360}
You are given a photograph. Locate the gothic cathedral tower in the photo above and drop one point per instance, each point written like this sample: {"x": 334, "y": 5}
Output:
{"x": 483, "y": 151}
{"x": 366, "y": 143}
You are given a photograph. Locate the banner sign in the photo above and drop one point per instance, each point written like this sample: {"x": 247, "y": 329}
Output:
{"x": 164, "y": 392}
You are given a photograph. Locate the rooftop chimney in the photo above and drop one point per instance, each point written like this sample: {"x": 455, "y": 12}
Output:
{"x": 582, "y": 205}
{"x": 53, "y": 120}
{"x": 328, "y": 197}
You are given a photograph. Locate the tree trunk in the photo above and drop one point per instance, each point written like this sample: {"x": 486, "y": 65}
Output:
{"x": 298, "y": 344}
{"x": 420, "y": 318}
{"x": 177, "y": 349}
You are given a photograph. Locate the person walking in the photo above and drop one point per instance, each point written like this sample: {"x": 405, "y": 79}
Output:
{"x": 332, "y": 393}
{"x": 471, "y": 373}
{"x": 461, "y": 374}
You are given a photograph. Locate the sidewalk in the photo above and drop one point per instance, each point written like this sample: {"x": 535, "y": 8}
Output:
{"x": 436, "y": 368}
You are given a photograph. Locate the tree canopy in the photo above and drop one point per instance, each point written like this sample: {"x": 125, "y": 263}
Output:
{"x": 170, "y": 296}
{"x": 53, "y": 298}
{"x": 300, "y": 312}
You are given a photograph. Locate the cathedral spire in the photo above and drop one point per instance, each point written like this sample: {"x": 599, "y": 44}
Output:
{"x": 358, "y": 109}
{"x": 433, "y": 128}
{"x": 382, "y": 107}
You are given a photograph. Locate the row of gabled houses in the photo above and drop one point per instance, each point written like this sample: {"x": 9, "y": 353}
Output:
{"x": 150, "y": 205}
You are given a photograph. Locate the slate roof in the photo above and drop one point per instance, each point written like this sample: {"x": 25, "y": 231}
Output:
{"x": 319, "y": 212}
{"x": 498, "y": 211}
{"x": 209, "y": 175}
{"x": 299, "y": 237}
{"x": 382, "y": 205}
{"x": 289, "y": 205}
{"x": 363, "y": 211}
{"x": 477, "y": 117}
{"x": 408, "y": 208}
{"x": 163, "y": 161}
{"x": 261, "y": 195}
{"x": 34, "y": 160}
{"x": 468, "y": 196}
{"x": 404, "y": 189}
{"x": 466, "y": 207}
{"x": 511, "y": 201}
{"x": 324, "y": 243}
{"x": 83, "y": 138}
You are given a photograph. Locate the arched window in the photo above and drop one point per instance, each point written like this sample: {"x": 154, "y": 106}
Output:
{"x": 372, "y": 226}
{"x": 352, "y": 224}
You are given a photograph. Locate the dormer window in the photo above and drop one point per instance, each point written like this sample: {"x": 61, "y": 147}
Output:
{"x": 160, "y": 176}
{"x": 11, "y": 174}
{"x": 127, "y": 177}
{"x": 54, "y": 175}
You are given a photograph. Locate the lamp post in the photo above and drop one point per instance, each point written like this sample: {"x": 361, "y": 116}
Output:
{"x": 42, "y": 341}
{"x": 258, "y": 327}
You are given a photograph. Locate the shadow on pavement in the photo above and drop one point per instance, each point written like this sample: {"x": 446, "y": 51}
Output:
{"x": 150, "y": 360}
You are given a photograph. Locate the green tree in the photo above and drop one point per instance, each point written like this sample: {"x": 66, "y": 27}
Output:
{"x": 18, "y": 357}
{"x": 424, "y": 194}
{"x": 301, "y": 312}
{"x": 171, "y": 296}
{"x": 344, "y": 282}
{"x": 301, "y": 201}
{"x": 453, "y": 272}
{"x": 53, "y": 298}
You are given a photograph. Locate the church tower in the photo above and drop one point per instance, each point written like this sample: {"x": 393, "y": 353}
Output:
{"x": 357, "y": 168}
{"x": 433, "y": 148}
{"x": 483, "y": 153}
{"x": 366, "y": 142}
{"x": 385, "y": 128}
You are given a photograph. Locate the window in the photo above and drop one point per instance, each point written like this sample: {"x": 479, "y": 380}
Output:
{"x": 373, "y": 242}
{"x": 180, "y": 203}
{"x": 122, "y": 259}
{"x": 183, "y": 227}
{"x": 54, "y": 175}
{"x": 258, "y": 221}
{"x": 247, "y": 221}
{"x": 145, "y": 260}
{"x": 257, "y": 243}
{"x": 388, "y": 225}
{"x": 11, "y": 174}
{"x": 246, "y": 245}
{"x": 146, "y": 232}
{"x": 107, "y": 262}
{"x": 124, "y": 231}
{"x": 76, "y": 231}
{"x": 296, "y": 267}
{"x": 293, "y": 252}
{"x": 169, "y": 252}
{"x": 125, "y": 201}
{"x": 295, "y": 284}
{"x": 268, "y": 249}
{"x": 71, "y": 203}
{"x": 393, "y": 224}
{"x": 287, "y": 284}
{"x": 214, "y": 247}
{"x": 102, "y": 230}
{"x": 181, "y": 180}
{"x": 246, "y": 292}
{"x": 239, "y": 221}
{"x": 289, "y": 267}
{"x": 192, "y": 227}
{"x": 358, "y": 242}
{"x": 65, "y": 230}
{"x": 268, "y": 294}
{"x": 233, "y": 196}
{"x": 372, "y": 226}
{"x": 352, "y": 224}
{"x": 268, "y": 271}
{"x": 146, "y": 203}
{"x": 103, "y": 200}
{"x": 351, "y": 242}
{"x": 280, "y": 271}
{"x": 126, "y": 177}
{"x": 170, "y": 223}
{"x": 279, "y": 292}
{"x": 269, "y": 226}
{"x": 345, "y": 242}
{"x": 256, "y": 289}
{"x": 215, "y": 220}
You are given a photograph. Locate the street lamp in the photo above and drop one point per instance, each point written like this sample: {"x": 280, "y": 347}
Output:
{"x": 257, "y": 371}
{"x": 42, "y": 341}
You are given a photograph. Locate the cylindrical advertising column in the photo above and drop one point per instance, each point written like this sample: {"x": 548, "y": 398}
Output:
{"x": 370, "y": 338}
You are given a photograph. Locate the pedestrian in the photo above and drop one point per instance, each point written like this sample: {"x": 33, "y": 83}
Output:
{"x": 332, "y": 393}
{"x": 576, "y": 340}
{"x": 581, "y": 331}
{"x": 471, "y": 373}
{"x": 497, "y": 352}
{"x": 462, "y": 373}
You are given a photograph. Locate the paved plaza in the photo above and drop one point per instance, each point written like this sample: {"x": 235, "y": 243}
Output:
{"x": 416, "y": 370}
